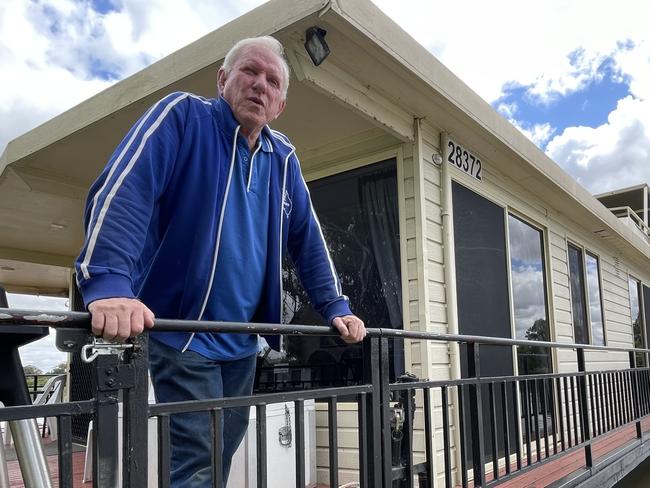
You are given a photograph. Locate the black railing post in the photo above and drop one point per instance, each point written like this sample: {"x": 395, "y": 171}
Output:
{"x": 373, "y": 411}
{"x": 476, "y": 413}
{"x": 64, "y": 427}
{"x": 364, "y": 463}
{"x": 584, "y": 408}
{"x": 105, "y": 445}
{"x": 136, "y": 417}
{"x": 635, "y": 395}
{"x": 385, "y": 413}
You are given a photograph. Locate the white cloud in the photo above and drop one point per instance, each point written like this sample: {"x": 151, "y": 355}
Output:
{"x": 43, "y": 353}
{"x": 617, "y": 153}
{"x": 538, "y": 133}
{"x": 508, "y": 110}
{"x": 552, "y": 49}
{"x": 613, "y": 155}
{"x": 56, "y": 53}
{"x": 488, "y": 44}
{"x": 35, "y": 87}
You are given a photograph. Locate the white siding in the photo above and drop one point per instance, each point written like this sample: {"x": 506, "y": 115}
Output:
{"x": 425, "y": 295}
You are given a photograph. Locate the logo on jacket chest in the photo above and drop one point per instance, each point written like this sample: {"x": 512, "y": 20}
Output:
{"x": 286, "y": 204}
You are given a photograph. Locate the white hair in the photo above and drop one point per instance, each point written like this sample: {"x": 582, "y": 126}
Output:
{"x": 267, "y": 42}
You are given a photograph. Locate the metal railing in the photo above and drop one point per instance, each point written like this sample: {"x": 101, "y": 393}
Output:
{"x": 633, "y": 217}
{"x": 492, "y": 428}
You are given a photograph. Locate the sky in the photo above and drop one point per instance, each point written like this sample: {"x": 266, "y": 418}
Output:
{"x": 573, "y": 75}
{"x": 42, "y": 353}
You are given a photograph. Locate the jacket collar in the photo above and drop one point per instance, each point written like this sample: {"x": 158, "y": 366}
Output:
{"x": 227, "y": 123}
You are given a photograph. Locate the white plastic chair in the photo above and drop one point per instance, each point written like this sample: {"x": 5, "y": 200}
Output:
{"x": 52, "y": 393}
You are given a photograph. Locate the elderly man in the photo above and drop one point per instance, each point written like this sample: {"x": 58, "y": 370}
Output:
{"x": 190, "y": 219}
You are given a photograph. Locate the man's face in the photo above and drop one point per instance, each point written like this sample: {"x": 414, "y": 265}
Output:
{"x": 253, "y": 88}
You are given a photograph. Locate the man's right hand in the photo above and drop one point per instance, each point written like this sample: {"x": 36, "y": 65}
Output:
{"x": 117, "y": 319}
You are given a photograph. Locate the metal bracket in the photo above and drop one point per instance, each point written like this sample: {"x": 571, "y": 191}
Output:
{"x": 71, "y": 340}
{"x": 116, "y": 377}
{"x": 89, "y": 352}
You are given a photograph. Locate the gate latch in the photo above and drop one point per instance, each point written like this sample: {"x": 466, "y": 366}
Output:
{"x": 89, "y": 352}
{"x": 397, "y": 422}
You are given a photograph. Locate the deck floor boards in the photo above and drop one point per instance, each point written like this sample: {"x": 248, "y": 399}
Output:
{"x": 16, "y": 479}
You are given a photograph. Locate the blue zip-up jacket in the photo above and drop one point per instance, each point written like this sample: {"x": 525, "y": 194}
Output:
{"x": 153, "y": 218}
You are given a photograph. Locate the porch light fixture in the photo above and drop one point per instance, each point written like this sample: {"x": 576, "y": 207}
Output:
{"x": 315, "y": 45}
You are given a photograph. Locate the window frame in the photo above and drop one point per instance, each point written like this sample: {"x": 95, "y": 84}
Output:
{"x": 497, "y": 199}
{"x": 600, "y": 291}
{"x": 639, "y": 283}
{"x": 584, "y": 251}
{"x": 548, "y": 291}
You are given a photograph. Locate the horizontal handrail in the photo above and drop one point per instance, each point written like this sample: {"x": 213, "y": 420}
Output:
{"x": 81, "y": 320}
{"x": 47, "y": 410}
{"x": 257, "y": 399}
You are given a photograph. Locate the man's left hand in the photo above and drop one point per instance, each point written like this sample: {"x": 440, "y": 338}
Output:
{"x": 351, "y": 328}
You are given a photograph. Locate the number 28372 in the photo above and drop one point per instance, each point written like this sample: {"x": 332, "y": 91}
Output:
{"x": 464, "y": 160}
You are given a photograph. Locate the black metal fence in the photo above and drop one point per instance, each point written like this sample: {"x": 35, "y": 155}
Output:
{"x": 491, "y": 429}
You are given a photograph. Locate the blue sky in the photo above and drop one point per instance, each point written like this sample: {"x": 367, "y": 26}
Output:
{"x": 105, "y": 6}
{"x": 574, "y": 76}
{"x": 588, "y": 106}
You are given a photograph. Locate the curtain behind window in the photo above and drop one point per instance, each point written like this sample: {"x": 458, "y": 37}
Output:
{"x": 358, "y": 213}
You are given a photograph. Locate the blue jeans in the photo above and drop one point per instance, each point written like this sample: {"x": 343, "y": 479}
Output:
{"x": 184, "y": 376}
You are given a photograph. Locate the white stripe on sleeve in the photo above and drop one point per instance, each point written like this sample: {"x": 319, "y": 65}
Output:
{"x": 94, "y": 231}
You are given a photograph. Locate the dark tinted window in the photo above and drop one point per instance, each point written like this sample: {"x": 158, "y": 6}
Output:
{"x": 637, "y": 319}
{"x": 646, "y": 307}
{"x": 482, "y": 289}
{"x": 359, "y": 218}
{"x": 578, "y": 298}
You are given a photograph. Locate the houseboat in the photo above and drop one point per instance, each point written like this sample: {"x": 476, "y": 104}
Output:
{"x": 449, "y": 228}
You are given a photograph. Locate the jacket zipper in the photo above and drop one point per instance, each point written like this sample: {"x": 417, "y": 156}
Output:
{"x": 216, "y": 247}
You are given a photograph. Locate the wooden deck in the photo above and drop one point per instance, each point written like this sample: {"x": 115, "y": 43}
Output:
{"x": 16, "y": 479}
{"x": 557, "y": 469}
{"x": 538, "y": 477}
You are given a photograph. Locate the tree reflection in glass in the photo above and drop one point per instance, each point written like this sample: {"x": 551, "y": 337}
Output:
{"x": 529, "y": 294}
{"x": 359, "y": 219}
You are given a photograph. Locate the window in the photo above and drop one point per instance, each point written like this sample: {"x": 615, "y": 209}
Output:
{"x": 638, "y": 328}
{"x": 527, "y": 270}
{"x": 482, "y": 277}
{"x": 584, "y": 277}
{"x": 482, "y": 290}
{"x": 578, "y": 296}
{"x": 358, "y": 213}
{"x": 595, "y": 301}
{"x": 646, "y": 308}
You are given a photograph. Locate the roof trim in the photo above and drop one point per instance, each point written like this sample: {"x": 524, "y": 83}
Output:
{"x": 208, "y": 50}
